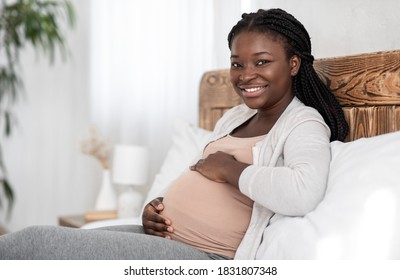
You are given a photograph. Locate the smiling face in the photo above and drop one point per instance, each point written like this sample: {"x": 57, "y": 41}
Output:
{"x": 261, "y": 73}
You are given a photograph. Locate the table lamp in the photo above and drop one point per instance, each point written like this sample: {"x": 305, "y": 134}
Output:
{"x": 130, "y": 168}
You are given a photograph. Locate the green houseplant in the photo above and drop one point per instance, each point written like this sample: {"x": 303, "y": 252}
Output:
{"x": 25, "y": 22}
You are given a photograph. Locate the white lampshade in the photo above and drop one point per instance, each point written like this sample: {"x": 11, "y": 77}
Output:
{"x": 130, "y": 165}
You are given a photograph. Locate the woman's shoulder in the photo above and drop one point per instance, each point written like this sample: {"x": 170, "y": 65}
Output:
{"x": 299, "y": 111}
{"x": 298, "y": 114}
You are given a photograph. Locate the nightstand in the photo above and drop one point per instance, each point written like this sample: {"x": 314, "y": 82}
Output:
{"x": 78, "y": 221}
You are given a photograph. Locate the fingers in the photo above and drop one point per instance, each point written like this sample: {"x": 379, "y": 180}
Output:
{"x": 197, "y": 165}
{"x": 152, "y": 212}
{"x": 155, "y": 217}
{"x": 164, "y": 234}
{"x": 158, "y": 230}
{"x": 153, "y": 222}
{"x": 154, "y": 206}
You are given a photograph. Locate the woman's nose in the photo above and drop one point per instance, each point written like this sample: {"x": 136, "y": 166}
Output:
{"x": 248, "y": 74}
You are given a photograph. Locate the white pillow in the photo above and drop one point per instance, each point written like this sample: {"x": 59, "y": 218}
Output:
{"x": 188, "y": 142}
{"x": 359, "y": 216}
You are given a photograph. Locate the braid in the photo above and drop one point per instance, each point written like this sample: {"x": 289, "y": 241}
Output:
{"x": 307, "y": 86}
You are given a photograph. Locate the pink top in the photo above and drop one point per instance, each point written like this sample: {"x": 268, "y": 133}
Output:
{"x": 211, "y": 216}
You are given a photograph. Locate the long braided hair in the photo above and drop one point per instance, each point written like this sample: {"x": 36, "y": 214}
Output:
{"x": 307, "y": 85}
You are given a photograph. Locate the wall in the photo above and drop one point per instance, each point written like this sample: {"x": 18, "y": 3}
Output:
{"x": 345, "y": 27}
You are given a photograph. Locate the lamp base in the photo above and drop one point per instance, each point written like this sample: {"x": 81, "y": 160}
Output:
{"x": 129, "y": 203}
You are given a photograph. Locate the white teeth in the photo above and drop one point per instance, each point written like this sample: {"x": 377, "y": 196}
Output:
{"x": 252, "y": 89}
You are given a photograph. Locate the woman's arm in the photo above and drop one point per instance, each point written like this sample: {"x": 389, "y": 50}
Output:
{"x": 299, "y": 185}
{"x": 292, "y": 189}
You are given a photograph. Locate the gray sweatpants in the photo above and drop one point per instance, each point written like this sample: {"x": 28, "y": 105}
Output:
{"x": 117, "y": 242}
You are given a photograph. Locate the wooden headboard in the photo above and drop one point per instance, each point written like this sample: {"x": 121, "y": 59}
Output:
{"x": 366, "y": 85}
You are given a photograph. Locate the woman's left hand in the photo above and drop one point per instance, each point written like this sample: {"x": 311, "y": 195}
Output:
{"x": 220, "y": 167}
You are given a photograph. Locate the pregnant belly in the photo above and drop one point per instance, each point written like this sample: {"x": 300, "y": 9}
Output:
{"x": 210, "y": 216}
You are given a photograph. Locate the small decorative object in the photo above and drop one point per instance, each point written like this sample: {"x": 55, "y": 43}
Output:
{"x": 99, "y": 148}
{"x": 130, "y": 169}
{"x": 107, "y": 197}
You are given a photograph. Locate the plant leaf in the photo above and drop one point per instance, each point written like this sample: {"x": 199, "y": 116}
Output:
{"x": 7, "y": 125}
{"x": 9, "y": 194}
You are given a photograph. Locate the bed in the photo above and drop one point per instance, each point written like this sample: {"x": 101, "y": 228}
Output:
{"x": 359, "y": 216}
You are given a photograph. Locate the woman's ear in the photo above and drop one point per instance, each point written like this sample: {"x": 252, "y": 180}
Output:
{"x": 295, "y": 62}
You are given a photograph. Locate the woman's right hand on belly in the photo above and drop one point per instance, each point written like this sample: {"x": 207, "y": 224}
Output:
{"x": 153, "y": 222}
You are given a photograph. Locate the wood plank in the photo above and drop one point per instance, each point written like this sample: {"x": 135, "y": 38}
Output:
{"x": 371, "y": 121}
{"x": 359, "y": 80}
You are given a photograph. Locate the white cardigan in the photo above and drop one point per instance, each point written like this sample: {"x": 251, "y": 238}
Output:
{"x": 290, "y": 169}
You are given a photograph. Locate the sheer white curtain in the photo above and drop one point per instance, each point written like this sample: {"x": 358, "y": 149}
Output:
{"x": 49, "y": 174}
{"x": 147, "y": 58}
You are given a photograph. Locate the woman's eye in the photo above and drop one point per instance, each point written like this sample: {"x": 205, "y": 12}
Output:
{"x": 262, "y": 62}
{"x": 235, "y": 65}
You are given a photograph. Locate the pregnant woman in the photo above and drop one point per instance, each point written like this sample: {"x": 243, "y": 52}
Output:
{"x": 268, "y": 158}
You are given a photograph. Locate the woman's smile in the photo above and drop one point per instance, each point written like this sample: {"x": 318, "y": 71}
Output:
{"x": 251, "y": 92}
